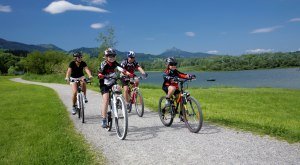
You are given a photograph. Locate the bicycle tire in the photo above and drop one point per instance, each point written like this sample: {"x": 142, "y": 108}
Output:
{"x": 81, "y": 108}
{"x": 121, "y": 121}
{"x": 165, "y": 113}
{"x": 109, "y": 121}
{"x": 78, "y": 105}
{"x": 192, "y": 115}
{"x": 139, "y": 104}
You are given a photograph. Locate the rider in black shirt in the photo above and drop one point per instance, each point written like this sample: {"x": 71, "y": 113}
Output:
{"x": 75, "y": 70}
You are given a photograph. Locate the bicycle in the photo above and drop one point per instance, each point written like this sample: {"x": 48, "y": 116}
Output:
{"x": 117, "y": 110}
{"x": 190, "y": 110}
{"x": 136, "y": 97}
{"x": 79, "y": 97}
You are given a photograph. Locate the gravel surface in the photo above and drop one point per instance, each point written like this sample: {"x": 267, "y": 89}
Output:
{"x": 149, "y": 142}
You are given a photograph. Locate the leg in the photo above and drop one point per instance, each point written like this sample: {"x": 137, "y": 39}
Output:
{"x": 74, "y": 93}
{"x": 105, "y": 100}
{"x": 126, "y": 94}
{"x": 171, "y": 90}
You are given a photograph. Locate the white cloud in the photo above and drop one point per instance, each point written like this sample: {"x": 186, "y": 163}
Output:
{"x": 98, "y": 25}
{"x": 294, "y": 20}
{"x": 259, "y": 50}
{"x": 5, "y": 9}
{"x": 212, "y": 52}
{"x": 266, "y": 30}
{"x": 63, "y": 6}
{"x": 190, "y": 34}
{"x": 98, "y": 2}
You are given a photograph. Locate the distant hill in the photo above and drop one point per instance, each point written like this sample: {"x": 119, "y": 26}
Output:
{"x": 11, "y": 45}
{"x": 175, "y": 52}
{"x": 94, "y": 52}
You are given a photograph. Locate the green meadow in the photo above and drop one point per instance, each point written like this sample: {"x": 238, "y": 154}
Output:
{"x": 264, "y": 111}
{"x": 36, "y": 128}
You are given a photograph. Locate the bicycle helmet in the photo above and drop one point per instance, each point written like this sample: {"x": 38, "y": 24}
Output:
{"x": 171, "y": 61}
{"x": 131, "y": 54}
{"x": 110, "y": 52}
{"x": 77, "y": 54}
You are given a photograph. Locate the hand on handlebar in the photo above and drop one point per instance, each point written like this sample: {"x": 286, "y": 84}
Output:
{"x": 145, "y": 75}
{"x": 192, "y": 76}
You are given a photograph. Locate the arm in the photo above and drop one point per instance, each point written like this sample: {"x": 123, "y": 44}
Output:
{"x": 141, "y": 70}
{"x": 68, "y": 73}
{"x": 87, "y": 70}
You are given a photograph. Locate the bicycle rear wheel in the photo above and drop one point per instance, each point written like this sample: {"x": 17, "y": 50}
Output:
{"x": 121, "y": 121}
{"x": 139, "y": 104}
{"x": 81, "y": 108}
{"x": 109, "y": 121}
{"x": 192, "y": 115}
{"x": 165, "y": 113}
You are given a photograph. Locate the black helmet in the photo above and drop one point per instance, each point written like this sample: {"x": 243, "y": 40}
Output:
{"x": 171, "y": 61}
{"x": 110, "y": 52}
{"x": 77, "y": 54}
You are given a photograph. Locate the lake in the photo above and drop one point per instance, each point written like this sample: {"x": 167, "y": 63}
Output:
{"x": 278, "y": 78}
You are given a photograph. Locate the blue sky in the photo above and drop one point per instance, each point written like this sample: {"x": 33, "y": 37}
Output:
{"x": 231, "y": 27}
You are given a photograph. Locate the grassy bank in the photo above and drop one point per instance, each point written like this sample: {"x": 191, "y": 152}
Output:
{"x": 266, "y": 111}
{"x": 35, "y": 128}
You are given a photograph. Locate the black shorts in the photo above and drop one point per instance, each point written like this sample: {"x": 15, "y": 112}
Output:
{"x": 104, "y": 89}
{"x": 165, "y": 88}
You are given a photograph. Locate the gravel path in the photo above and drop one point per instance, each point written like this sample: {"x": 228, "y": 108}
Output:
{"x": 149, "y": 142}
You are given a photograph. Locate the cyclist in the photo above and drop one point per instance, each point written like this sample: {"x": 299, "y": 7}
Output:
{"x": 170, "y": 74}
{"x": 75, "y": 70}
{"x": 108, "y": 67}
{"x": 130, "y": 64}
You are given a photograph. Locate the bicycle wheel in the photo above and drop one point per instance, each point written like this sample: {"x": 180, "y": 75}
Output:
{"x": 192, "y": 115}
{"x": 81, "y": 108}
{"x": 165, "y": 113}
{"x": 139, "y": 104}
{"x": 78, "y": 105}
{"x": 121, "y": 120}
{"x": 109, "y": 121}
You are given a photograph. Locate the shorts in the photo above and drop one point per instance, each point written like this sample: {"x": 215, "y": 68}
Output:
{"x": 104, "y": 89}
{"x": 71, "y": 83}
{"x": 165, "y": 88}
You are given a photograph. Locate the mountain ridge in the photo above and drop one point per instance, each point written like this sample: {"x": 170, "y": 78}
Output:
{"x": 94, "y": 51}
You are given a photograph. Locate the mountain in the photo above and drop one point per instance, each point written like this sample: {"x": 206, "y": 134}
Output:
{"x": 175, "y": 52}
{"x": 11, "y": 45}
{"x": 94, "y": 52}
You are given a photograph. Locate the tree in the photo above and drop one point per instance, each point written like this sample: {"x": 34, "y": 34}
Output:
{"x": 107, "y": 40}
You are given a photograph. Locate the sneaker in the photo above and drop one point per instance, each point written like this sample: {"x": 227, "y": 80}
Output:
{"x": 86, "y": 100}
{"x": 74, "y": 109}
{"x": 104, "y": 123}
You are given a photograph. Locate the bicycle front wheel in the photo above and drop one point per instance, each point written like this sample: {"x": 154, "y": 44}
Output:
{"x": 81, "y": 108}
{"x": 121, "y": 120}
{"x": 139, "y": 104}
{"x": 165, "y": 112}
{"x": 79, "y": 96}
{"x": 192, "y": 115}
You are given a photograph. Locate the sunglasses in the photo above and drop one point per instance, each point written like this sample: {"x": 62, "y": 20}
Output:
{"x": 111, "y": 56}
{"x": 79, "y": 57}
{"x": 172, "y": 63}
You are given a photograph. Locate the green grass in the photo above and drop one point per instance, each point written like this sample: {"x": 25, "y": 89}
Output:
{"x": 265, "y": 111}
{"x": 35, "y": 128}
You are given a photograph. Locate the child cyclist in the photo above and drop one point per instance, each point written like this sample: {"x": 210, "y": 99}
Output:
{"x": 130, "y": 64}
{"x": 170, "y": 74}
{"x": 108, "y": 67}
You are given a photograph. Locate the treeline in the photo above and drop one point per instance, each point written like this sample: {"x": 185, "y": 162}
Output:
{"x": 49, "y": 62}
{"x": 232, "y": 63}
{"x": 56, "y": 62}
